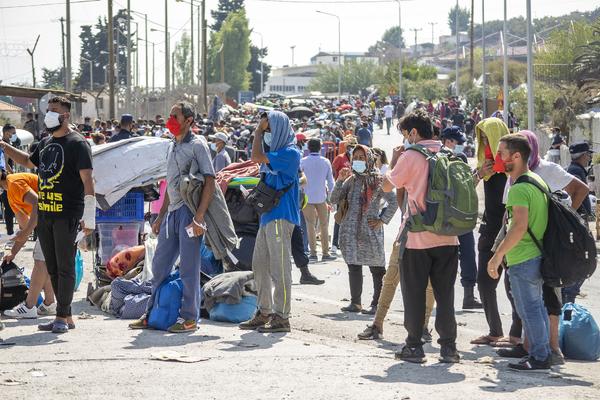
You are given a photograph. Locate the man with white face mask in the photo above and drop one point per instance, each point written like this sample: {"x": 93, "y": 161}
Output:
{"x": 66, "y": 202}
{"x": 221, "y": 159}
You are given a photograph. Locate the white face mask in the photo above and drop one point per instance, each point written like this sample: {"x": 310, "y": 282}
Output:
{"x": 52, "y": 119}
{"x": 268, "y": 136}
{"x": 213, "y": 146}
{"x": 459, "y": 148}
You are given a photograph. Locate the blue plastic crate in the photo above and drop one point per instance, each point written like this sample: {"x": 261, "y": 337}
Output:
{"x": 129, "y": 208}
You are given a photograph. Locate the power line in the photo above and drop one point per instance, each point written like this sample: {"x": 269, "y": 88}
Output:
{"x": 48, "y": 4}
{"x": 329, "y": 2}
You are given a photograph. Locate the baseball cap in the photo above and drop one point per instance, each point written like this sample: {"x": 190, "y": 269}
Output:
{"x": 219, "y": 136}
{"x": 454, "y": 133}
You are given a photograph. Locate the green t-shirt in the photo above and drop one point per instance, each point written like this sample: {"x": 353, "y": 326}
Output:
{"x": 529, "y": 196}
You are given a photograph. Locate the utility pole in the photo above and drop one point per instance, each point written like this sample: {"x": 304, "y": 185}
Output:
{"x": 472, "y": 40}
{"x": 199, "y": 73}
{"x": 192, "y": 39}
{"x": 68, "y": 80}
{"x": 146, "y": 56}
{"x": 530, "y": 97}
{"x": 416, "y": 30}
{"x": 483, "y": 77}
{"x": 173, "y": 70}
{"x": 32, "y": 63}
{"x": 153, "y": 67}
{"x": 399, "y": 51}
{"x": 204, "y": 58}
{"x": 62, "y": 41}
{"x": 432, "y": 34}
{"x": 128, "y": 78}
{"x": 222, "y": 57}
{"x": 111, "y": 63}
{"x": 505, "y": 68}
{"x": 167, "y": 51}
{"x": 457, "y": 46}
{"x": 292, "y": 47}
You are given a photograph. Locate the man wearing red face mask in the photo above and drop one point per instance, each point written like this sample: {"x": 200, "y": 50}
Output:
{"x": 490, "y": 169}
{"x": 179, "y": 230}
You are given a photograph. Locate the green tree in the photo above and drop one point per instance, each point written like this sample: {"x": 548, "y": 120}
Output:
{"x": 587, "y": 63}
{"x": 256, "y": 54}
{"x": 356, "y": 76}
{"x": 389, "y": 41}
{"x": 233, "y": 41}
{"x": 183, "y": 61}
{"x": 52, "y": 78}
{"x": 463, "y": 15}
{"x": 224, "y": 8}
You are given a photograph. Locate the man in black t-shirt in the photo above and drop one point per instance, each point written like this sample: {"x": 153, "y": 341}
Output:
{"x": 66, "y": 202}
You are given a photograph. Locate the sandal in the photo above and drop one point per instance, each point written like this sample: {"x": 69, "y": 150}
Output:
{"x": 505, "y": 342}
{"x": 486, "y": 339}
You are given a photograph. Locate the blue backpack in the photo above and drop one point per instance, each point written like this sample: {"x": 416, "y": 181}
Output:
{"x": 235, "y": 313}
{"x": 167, "y": 303}
{"x": 579, "y": 333}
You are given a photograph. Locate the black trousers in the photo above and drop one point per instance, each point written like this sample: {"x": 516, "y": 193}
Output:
{"x": 355, "y": 276}
{"x": 57, "y": 239}
{"x": 300, "y": 257}
{"x": 418, "y": 266}
{"x": 487, "y": 286}
{"x": 9, "y": 214}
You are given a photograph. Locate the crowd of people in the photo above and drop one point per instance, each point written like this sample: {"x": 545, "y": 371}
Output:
{"x": 315, "y": 169}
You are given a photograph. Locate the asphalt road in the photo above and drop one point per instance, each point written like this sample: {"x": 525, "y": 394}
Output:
{"x": 320, "y": 359}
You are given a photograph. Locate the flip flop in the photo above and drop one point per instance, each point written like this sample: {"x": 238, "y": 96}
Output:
{"x": 486, "y": 339}
{"x": 504, "y": 342}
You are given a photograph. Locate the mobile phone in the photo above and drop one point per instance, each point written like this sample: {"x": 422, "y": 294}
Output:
{"x": 190, "y": 231}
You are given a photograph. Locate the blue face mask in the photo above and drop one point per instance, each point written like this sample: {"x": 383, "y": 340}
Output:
{"x": 268, "y": 137}
{"x": 459, "y": 148}
{"x": 359, "y": 166}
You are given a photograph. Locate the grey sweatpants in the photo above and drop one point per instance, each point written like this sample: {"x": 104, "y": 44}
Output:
{"x": 272, "y": 267}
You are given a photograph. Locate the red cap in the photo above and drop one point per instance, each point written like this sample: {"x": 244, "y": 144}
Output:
{"x": 300, "y": 136}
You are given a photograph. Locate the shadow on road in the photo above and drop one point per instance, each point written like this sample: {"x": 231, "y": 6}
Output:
{"x": 253, "y": 341}
{"x": 342, "y": 316}
{"x": 428, "y": 374}
{"x": 153, "y": 338}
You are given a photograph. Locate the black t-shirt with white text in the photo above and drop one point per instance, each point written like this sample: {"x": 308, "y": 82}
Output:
{"x": 60, "y": 188}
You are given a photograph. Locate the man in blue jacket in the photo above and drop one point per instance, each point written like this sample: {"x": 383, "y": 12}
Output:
{"x": 274, "y": 149}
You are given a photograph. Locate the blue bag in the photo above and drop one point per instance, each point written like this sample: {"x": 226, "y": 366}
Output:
{"x": 210, "y": 265}
{"x": 40, "y": 298}
{"x": 78, "y": 269}
{"x": 235, "y": 313}
{"x": 579, "y": 335}
{"x": 167, "y": 303}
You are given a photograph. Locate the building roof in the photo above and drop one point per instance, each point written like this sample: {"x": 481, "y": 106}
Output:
{"x": 4, "y": 106}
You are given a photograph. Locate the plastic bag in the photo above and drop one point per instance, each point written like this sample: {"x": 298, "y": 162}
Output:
{"x": 150, "y": 245}
{"x": 579, "y": 333}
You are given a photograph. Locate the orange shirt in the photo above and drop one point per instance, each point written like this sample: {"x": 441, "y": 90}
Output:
{"x": 18, "y": 185}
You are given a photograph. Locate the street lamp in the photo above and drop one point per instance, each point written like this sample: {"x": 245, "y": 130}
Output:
{"x": 191, "y": 3}
{"x": 167, "y": 44}
{"x": 91, "y": 72}
{"x": 339, "y": 51}
{"x": 261, "y": 60}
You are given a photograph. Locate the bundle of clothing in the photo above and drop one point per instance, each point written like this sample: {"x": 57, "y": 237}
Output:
{"x": 127, "y": 164}
{"x": 228, "y": 288}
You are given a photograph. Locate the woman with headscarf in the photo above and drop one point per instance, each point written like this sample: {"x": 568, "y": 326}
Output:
{"x": 361, "y": 231}
{"x": 576, "y": 191}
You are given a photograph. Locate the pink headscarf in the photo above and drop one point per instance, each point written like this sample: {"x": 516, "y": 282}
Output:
{"x": 534, "y": 157}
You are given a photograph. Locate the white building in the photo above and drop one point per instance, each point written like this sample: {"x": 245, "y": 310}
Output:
{"x": 11, "y": 113}
{"x": 331, "y": 58}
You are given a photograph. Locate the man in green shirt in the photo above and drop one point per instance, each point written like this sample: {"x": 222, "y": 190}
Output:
{"x": 527, "y": 208}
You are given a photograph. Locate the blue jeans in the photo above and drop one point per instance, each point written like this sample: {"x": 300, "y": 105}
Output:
{"x": 468, "y": 265}
{"x": 526, "y": 286}
{"x": 173, "y": 242}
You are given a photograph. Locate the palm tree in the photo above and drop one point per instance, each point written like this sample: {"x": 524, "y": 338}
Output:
{"x": 587, "y": 65}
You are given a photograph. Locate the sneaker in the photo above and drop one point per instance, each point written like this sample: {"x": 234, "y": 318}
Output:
{"x": 256, "y": 322}
{"x": 530, "y": 364}
{"x": 556, "y": 358}
{"x": 22, "y": 312}
{"x": 275, "y": 324}
{"x": 333, "y": 250}
{"x": 371, "y": 333}
{"x": 310, "y": 279}
{"x": 141, "y": 323}
{"x": 449, "y": 354}
{"x": 411, "y": 354}
{"x": 313, "y": 259}
{"x": 183, "y": 325}
{"x": 369, "y": 311}
{"x": 354, "y": 308}
{"x": 514, "y": 352}
{"x": 44, "y": 309}
{"x": 426, "y": 336}
{"x": 328, "y": 257}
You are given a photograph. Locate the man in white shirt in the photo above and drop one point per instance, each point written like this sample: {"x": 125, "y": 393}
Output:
{"x": 388, "y": 111}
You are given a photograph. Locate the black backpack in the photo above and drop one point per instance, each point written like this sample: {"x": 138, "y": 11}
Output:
{"x": 569, "y": 249}
{"x": 13, "y": 289}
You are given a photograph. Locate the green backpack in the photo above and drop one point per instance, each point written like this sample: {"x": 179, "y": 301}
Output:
{"x": 451, "y": 200}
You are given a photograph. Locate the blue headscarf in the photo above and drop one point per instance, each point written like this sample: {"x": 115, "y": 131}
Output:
{"x": 282, "y": 135}
{"x": 281, "y": 130}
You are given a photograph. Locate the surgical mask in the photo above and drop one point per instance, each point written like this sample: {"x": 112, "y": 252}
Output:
{"x": 305, "y": 147}
{"x": 14, "y": 137}
{"x": 268, "y": 137}
{"x": 359, "y": 166}
{"x": 174, "y": 126}
{"x": 213, "y": 146}
{"x": 407, "y": 144}
{"x": 459, "y": 148}
{"x": 52, "y": 121}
